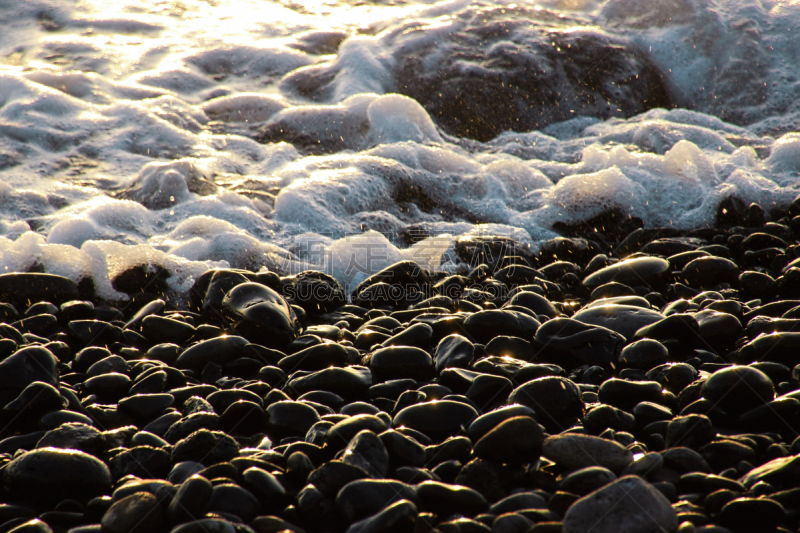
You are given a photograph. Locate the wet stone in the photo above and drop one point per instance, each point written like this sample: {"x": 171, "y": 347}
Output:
{"x": 586, "y": 480}
{"x": 557, "y": 401}
{"x": 65, "y": 473}
{"x": 140, "y": 461}
{"x": 399, "y": 516}
{"x": 366, "y": 451}
{"x": 738, "y": 389}
{"x": 644, "y": 354}
{"x": 446, "y": 499}
{"x": 365, "y": 497}
{"x": 638, "y": 271}
{"x": 483, "y": 326}
{"x": 516, "y": 440}
{"x": 348, "y": 382}
{"x": 401, "y": 362}
{"x": 623, "y": 319}
{"x": 219, "y": 350}
{"x": 261, "y": 315}
{"x": 207, "y": 447}
{"x": 140, "y": 512}
{"x": 436, "y": 418}
{"x": 76, "y": 436}
{"x": 705, "y": 272}
{"x": 628, "y": 505}
{"x": 563, "y": 339}
{"x": 191, "y": 500}
{"x": 160, "y": 329}
{"x": 233, "y": 499}
{"x": 575, "y": 451}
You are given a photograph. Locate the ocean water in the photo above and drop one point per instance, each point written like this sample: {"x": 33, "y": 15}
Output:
{"x": 346, "y": 135}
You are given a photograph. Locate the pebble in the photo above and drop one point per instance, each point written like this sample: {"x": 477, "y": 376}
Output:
{"x": 517, "y": 440}
{"x": 445, "y": 499}
{"x": 561, "y": 339}
{"x": 453, "y": 351}
{"x": 66, "y": 474}
{"x": 483, "y": 326}
{"x": 627, "y": 505}
{"x": 574, "y": 451}
{"x": 206, "y": 447}
{"x": 365, "y": 497}
{"x": 436, "y": 417}
{"x": 556, "y": 400}
{"x": 623, "y": 319}
{"x": 401, "y": 362}
{"x": 638, "y": 271}
{"x": 737, "y": 389}
{"x": 138, "y": 513}
{"x": 399, "y": 516}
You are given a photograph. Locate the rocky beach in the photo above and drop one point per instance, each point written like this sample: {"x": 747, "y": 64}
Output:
{"x": 647, "y": 381}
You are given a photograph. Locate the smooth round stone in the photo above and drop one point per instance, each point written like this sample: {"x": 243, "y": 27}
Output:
{"x": 315, "y": 358}
{"x": 648, "y": 412}
{"x": 145, "y": 406}
{"x": 692, "y": 431}
{"x": 627, "y": 505}
{"x": 145, "y": 438}
{"x": 483, "y": 326}
{"x": 75, "y": 436}
{"x": 331, "y": 476}
{"x": 183, "y": 427}
{"x": 207, "y": 447}
{"x": 781, "y": 473}
{"x": 264, "y": 486}
{"x": 244, "y": 418}
{"x": 138, "y": 513}
{"x": 516, "y": 440}
{"x": 111, "y": 386}
{"x": 366, "y": 451}
{"x": 719, "y": 330}
{"x": 710, "y": 271}
{"x": 292, "y": 418}
{"x": 644, "y": 354}
{"x": 557, "y": 401}
{"x": 573, "y": 451}
{"x": 348, "y": 382}
{"x": 626, "y": 394}
{"x": 673, "y": 376}
{"x": 586, "y": 480}
{"x": 219, "y": 350}
{"x": 535, "y": 302}
{"x": 751, "y": 514}
{"x": 365, "y": 497}
{"x": 738, "y": 389}
{"x": 153, "y": 383}
{"x": 316, "y": 292}
{"x": 623, "y": 319}
{"x": 453, "y": 351}
{"x": 29, "y": 364}
{"x": 19, "y": 289}
{"x": 261, "y": 315}
{"x": 445, "y": 499}
{"x": 160, "y": 329}
{"x": 191, "y": 500}
{"x": 403, "y": 449}
{"x": 486, "y": 422}
{"x": 515, "y": 347}
{"x": 638, "y": 271}
{"x": 399, "y": 516}
{"x": 165, "y": 352}
{"x": 183, "y": 471}
{"x": 435, "y": 418}
{"x": 419, "y": 335}
{"x": 66, "y": 474}
{"x": 603, "y": 416}
{"x": 55, "y": 419}
{"x": 401, "y": 362}
{"x": 222, "y": 399}
{"x": 233, "y": 499}
{"x": 36, "y": 399}
{"x": 140, "y": 461}
{"x": 566, "y": 338}
{"x": 95, "y": 332}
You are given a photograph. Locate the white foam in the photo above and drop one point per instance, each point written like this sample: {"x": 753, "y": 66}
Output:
{"x": 127, "y": 136}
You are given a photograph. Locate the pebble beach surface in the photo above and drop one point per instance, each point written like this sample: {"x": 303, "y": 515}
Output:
{"x": 642, "y": 380}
